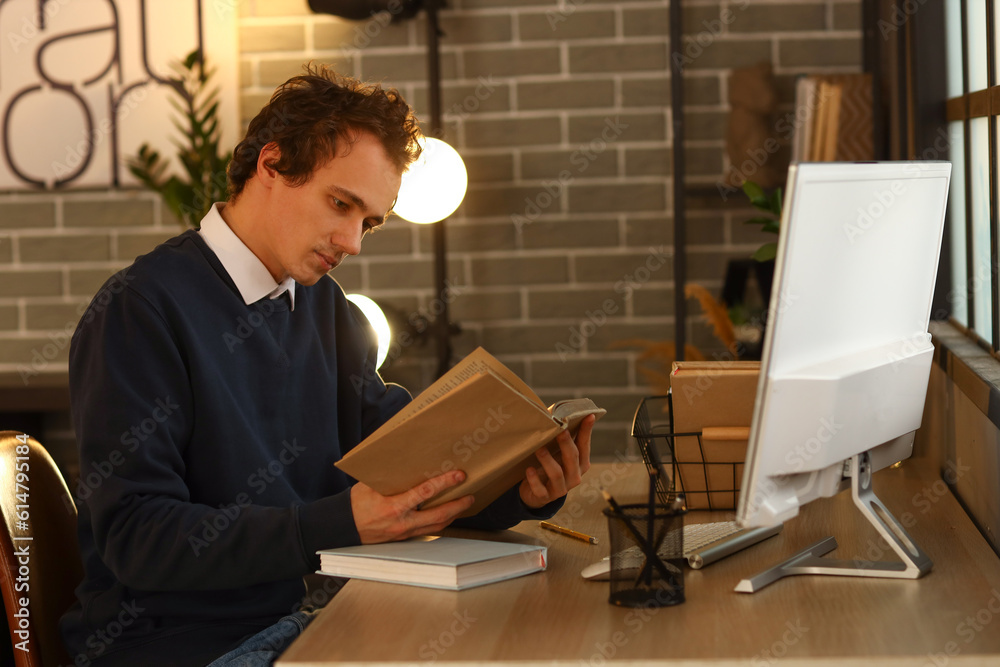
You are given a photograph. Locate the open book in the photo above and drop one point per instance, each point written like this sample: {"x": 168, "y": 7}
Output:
{"x": 479, "y": 417}
{"x": 452, "y": 563}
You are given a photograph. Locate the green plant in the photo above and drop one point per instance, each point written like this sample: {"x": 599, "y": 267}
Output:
{"x": 769, "y": 204}
{"x": 198, "y": 152}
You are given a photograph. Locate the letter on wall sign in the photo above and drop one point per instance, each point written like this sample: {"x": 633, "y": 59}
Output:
{"x": 83, "y": 83}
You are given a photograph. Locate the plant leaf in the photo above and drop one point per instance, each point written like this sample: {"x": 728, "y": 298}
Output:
{"x": 775, "y": 202}
{"x": 753, "y": 191}
{"x": 203, "y": 170}
{"x": 715, "y": 312}
{"x": 766, "y": 252}
{"x": 191, "y": 60}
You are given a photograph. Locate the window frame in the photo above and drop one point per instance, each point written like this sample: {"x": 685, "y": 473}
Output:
{"x": 970, "y": 105}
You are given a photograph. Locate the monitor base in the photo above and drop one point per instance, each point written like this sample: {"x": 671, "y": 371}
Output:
{"x": 915, "y": 563}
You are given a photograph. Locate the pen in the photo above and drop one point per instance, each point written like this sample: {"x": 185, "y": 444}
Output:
{"x": 566, "y": 531}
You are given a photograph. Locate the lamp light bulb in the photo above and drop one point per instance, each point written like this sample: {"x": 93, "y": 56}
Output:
{"x": 378, "y": 321}
{"x": 434, "y": 186}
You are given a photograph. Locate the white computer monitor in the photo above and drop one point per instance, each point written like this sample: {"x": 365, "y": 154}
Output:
{"x": 847, "y": 354}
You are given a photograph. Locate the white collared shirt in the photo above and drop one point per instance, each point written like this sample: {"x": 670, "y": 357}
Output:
{"x": 252, "y": 278}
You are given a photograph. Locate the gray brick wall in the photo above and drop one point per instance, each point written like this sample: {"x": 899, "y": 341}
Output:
{"x": 561, "y": 111}
{"x": 56, "y": 249}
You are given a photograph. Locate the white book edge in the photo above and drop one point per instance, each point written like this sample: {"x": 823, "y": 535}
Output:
{"x": 403, "y": 563}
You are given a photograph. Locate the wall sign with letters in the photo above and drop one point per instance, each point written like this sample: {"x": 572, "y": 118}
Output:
{"x": 83, "y": 83}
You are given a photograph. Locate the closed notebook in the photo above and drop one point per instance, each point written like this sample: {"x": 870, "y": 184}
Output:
{"x": 451, "y": 563}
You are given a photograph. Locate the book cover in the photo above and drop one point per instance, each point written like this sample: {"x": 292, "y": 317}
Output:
{"x": 450, "y": 563}
{"x": 827, "y": 124}
{"x": 855, "y": 137}
{"x": 834, "y": 112}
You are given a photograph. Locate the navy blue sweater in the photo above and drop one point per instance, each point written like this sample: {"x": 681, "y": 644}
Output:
{"x": 208, "y": 432}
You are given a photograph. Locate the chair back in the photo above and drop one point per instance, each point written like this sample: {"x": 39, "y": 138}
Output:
{"x": 39, "y": 556}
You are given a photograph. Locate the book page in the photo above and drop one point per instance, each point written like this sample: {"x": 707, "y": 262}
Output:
{"x": 575, "y": 409}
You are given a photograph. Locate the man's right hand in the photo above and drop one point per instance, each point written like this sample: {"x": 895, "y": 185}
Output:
{"x": 391, "y": 518}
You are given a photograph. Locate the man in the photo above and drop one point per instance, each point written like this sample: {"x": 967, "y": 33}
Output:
{"x": 214, "y": 388}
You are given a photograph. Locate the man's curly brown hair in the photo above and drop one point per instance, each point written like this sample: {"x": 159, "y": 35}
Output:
{"x": 309, "y": 116}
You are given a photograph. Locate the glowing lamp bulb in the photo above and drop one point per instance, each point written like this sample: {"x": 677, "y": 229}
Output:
{"x": 434, "y": 185}
{"x": 378, "y": 321}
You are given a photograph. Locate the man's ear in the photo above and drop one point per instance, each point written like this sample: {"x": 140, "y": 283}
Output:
{"x": 266, "y": 173}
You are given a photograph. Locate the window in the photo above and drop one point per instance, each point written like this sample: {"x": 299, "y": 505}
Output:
{"x": 973, "y": 107}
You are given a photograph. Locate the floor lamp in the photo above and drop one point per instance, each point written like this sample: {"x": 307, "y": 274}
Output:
{"x": 435, "y": 186}
{"x": 443, "y": 327}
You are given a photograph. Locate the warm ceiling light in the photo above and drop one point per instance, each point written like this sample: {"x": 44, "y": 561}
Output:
{"x": 434, "y": 185}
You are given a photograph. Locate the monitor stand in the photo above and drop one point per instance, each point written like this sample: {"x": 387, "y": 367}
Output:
{"x": 915, "y": 563}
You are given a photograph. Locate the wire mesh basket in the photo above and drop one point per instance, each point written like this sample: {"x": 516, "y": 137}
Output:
{"x": 651, "y": 428}
{"x": 707, "y": 476}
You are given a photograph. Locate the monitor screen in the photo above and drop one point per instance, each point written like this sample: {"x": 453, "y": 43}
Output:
{"x": 846, "y": 356}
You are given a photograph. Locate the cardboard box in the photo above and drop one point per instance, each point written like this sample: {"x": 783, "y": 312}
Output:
{"x": 715, "y": 399}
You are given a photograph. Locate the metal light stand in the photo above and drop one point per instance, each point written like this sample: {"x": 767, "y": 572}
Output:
{"x": 677, "y": 123}
{"x": 443, "y": 327}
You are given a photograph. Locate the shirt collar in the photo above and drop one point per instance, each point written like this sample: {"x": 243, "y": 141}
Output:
{"x": 252, "y": 278}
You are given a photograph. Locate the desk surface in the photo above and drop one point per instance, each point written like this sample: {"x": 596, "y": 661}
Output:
{"x": 951, "y": 616}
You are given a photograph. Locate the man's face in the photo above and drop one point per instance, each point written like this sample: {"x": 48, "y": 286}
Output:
{"x": 312, "y": 227}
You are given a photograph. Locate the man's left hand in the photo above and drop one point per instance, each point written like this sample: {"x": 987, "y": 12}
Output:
{"x": 556, "y": 477}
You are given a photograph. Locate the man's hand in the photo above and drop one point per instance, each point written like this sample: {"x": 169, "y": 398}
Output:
{"x": 556, "y": 478}
{"x": 391, "y": 518}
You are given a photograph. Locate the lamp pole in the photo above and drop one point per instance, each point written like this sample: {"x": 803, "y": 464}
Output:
{"x": 677, "y": 124}
{"x": 442, "y": 323}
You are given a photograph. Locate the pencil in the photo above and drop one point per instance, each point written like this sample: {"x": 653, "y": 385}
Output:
{"x": 566, "y": 531}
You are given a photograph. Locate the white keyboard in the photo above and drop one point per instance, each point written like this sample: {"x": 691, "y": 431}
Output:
{"x": 697, "y": 536}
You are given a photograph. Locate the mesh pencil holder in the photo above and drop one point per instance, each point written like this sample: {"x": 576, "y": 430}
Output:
{"x": 647, "y": 555}
{"x": 705, "y": 466}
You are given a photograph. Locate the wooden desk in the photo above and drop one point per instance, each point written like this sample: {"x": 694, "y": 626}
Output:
{"x": 557, "y": 617}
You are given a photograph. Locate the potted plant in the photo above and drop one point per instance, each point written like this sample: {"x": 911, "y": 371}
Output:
{"x": 203, "y": 181}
